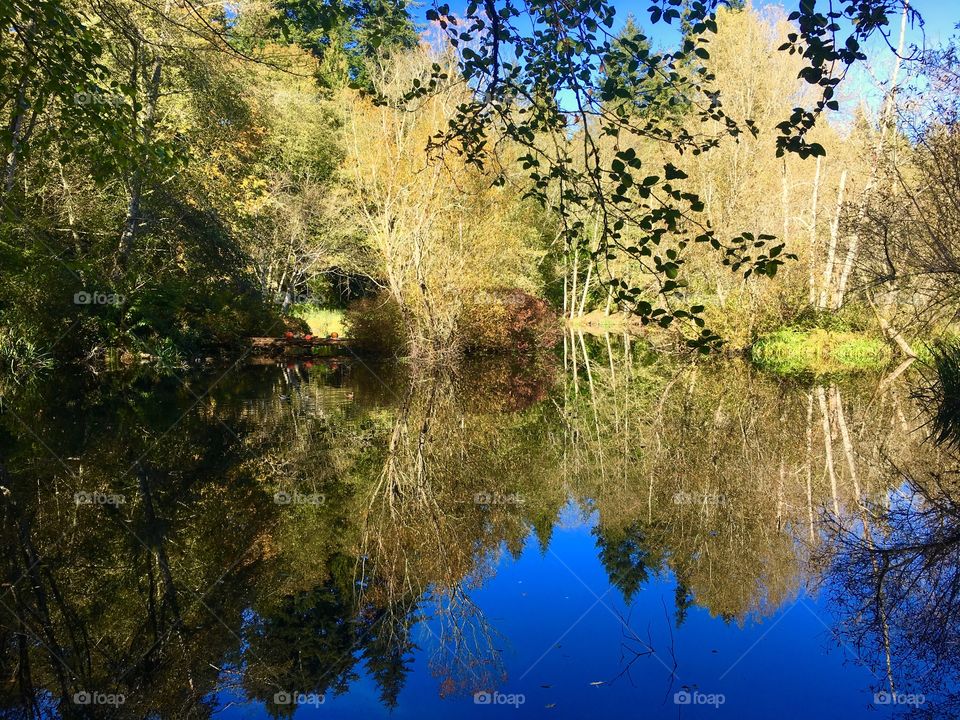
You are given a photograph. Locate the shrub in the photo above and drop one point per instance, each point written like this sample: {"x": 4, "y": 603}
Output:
{"x": 318, "y": 320}
{"x": 508, "y": 319}
{"x": 375, "y": 324}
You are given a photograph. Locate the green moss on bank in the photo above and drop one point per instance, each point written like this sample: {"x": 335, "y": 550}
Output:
{"x": 819, "y": 352}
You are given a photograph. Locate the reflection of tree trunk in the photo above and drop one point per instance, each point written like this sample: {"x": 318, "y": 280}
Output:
{"x": 36, "y": 613}
{"x": 401, "y": 498}
{"x": 156, "y": 541}
{"x": 783, "y": 472}
{"x": 828, "y": 448}
{"x": 467, "y": 658}
{"x": 573, "y": 357}
{"x": 593, "y": 402}
{"x": 158, "y": 547}
{"x": 845, "y": 438}
{"x": 881, "y": 609}
{"x": 897, "y": 372}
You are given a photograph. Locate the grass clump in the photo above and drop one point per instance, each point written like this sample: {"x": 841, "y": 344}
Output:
{"x": 819, "y": 352}
{"x": 941, "y": 396}
{"x": 20, "y": 359}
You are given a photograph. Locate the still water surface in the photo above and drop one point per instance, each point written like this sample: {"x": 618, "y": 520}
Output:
{"x": 608, "y": 534}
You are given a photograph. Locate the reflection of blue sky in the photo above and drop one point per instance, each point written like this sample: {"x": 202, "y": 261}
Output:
{"x": 563, "y": 640}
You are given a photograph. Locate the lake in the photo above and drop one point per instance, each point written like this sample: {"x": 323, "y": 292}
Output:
{"x": 603, "y": 532}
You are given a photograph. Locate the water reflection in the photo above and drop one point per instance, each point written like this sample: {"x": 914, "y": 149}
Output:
{"x": 279, "y": 532}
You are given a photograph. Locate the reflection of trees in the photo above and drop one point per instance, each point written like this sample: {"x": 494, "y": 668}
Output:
{"x": 201, "y": 583}
{"x": 143, "y": 597}
{"x": 423, "y": 533}
{"x": 898, "y": 584}
{"x": 810, "y": 480}
{"x": 716, "y": 473}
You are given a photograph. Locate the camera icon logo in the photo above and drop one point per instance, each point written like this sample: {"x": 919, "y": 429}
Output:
{"x": 283, "y": 698}
{"x": 82, "y": 298}
{"x": 82, "y": 698}
{"x": 282, "y": 498}
{"x": 482, "y": 698}
{"x": 682, "y": 698}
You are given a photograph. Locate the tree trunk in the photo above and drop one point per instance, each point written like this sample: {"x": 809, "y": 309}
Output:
{"x": 845, "y": 273}
{"x": 832, "y": 248}
{"x": 828, "y": 448}
{"x": 19, "y": 113}
{"x": 131, "y": 223}
{"x": 890, "y": 331}
{"x": 813, "y": 235}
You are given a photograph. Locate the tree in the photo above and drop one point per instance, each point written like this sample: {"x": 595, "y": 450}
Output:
{"x": 535, "y": 70}
{"x": 441, "y": 233}
{"x": 636, "y": 91}
{"x": 346, "y": 36}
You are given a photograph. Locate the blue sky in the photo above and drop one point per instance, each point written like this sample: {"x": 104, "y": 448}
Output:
{"x": 940, "y": 16}
{"x": 939, "y": 21}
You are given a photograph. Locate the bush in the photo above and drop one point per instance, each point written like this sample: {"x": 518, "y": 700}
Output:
{"x": 375, "y": 325}
{"x": 318, "y": 320}
{"x": 850, "y": 318}
{"x": 506, "y": 320}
